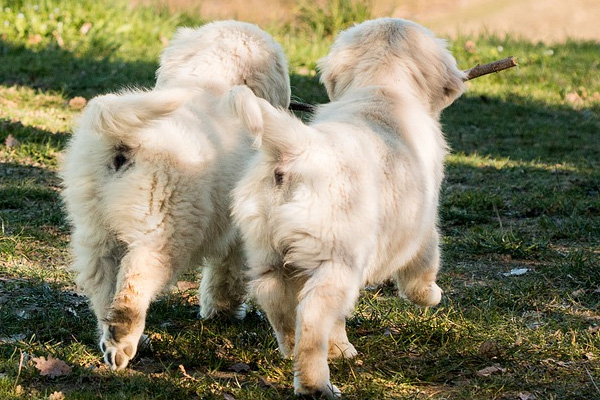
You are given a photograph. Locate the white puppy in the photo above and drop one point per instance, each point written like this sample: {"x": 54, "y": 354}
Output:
{"x": 352, "y": 198}
{"x": 148, "y": 175}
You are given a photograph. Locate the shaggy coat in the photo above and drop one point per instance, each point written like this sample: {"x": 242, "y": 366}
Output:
{"x": 148, "y": 176}
{"x": 352, "y": 197}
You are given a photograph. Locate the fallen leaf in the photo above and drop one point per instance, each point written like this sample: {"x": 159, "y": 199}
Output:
{"x": 489, "y": 349}
{"x": 85, "y": 28}
{"x": 574, "y": 99}
{"x": 59, "y": 39}
{"x": 184, "y": 286}
{"x": 56, "y": 396}
{"x": 35, "y": 39}
{"x": 578, "y": 293}
{"x": 470, "y": 46}
{"x": 228, "y": 396}
{"x": 11, "y": 142}
{"x": 240, "y": 367}
{"x": 487, "y": 371}
{"x": 52, "y": 367}
{"x": 77, "y": 102}
{"x": 589, "y": 356}
{"x": 265, "y": 382}
{"x": 594, "y": 329}
{"x": 564, "y": 363}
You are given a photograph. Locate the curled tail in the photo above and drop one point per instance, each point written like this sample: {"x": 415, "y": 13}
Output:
{"x": 118, "y": 117}
{"x": 274, "y": 130}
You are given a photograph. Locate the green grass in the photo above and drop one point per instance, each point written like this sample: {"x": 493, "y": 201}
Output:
{"x": 522, "y": 191}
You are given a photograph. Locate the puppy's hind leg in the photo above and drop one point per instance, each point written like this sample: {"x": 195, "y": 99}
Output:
{"x": 96, "y": 265}
{"x": 327, "y": 297}
{"x": 143, "y": 274}
{"x": 416, "y": 280}
{"x": 223, "y": 285}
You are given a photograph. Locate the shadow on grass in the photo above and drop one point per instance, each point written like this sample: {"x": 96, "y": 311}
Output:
{"x": 25, "y": 135}
{"x": 55, "y": 69}
{"x": 522, "y": 129}
{"x": 439, "y": 350}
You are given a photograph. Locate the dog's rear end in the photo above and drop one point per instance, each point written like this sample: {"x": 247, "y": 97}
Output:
{"x": 148, "y": 176}
{"x": 352, "y": 197}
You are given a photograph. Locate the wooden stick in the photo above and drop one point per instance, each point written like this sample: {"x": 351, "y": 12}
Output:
{"x": 496, "y": 66}
{"x": 475, "y": 72}
{"x": 298, "y": 106}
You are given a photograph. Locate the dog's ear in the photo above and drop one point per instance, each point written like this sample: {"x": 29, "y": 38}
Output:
{"x": 119, "y": 116}
{"x": 452, "y": 80}
{"x": 336, "y": 73}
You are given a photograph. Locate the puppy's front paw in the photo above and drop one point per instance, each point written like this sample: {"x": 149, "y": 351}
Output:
{"x": 118, "y": 345}
{"x": 328, "y": 389}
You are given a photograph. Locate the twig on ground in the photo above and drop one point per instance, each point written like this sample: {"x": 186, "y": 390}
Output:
{"x": 475, "y": 72}
{"x": 20, "y": 367}
{"x": 592, "y": 379}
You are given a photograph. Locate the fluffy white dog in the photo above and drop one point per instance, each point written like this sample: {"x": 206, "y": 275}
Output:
{"x": 148, "y": 177}
{"x": 351, "y": 198}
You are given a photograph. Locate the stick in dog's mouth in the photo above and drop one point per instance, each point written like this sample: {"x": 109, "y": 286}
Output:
{"x": 475, "y": 72}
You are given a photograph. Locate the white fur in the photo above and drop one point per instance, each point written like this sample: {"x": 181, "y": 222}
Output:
{"x": 351, "y": 198}
{"x": 148, "y": 175}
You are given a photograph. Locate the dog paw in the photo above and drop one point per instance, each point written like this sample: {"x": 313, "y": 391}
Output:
{"x": 339, "y": 350}
{"x": 209, "y": 311}
{"x": 118, "y": 346}
{"x": 285, "y": 344}
{"x": 427, "y": 296}
{"x": 328, "y": 390}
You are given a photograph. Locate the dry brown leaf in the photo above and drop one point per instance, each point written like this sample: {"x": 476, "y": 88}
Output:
{"x": 34, "y": 39}
{"x": 77, "y": 102}
{"x": 85, "y": 28}
{"x": 487, "y": 371}
{"x": 11, "y": 141}
{"x": 184, "y": 286}
{"x": 56, "y": 396}
{"x": 52, "y": 367}
{"x": 489, "y": 349}
{"x": 240, "y": 367}
{"x": 574, "y": 98}
{"x": 471, "y": 46}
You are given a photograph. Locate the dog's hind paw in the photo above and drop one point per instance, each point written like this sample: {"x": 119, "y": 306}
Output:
{"x": 209, "y": 312}
{"x": 427, "y": 296}
{"x": 339, "y": 350}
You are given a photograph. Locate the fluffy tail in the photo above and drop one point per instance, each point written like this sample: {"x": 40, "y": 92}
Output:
{"x": 119, "y": 116}
{"x": 274, "y": 130}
